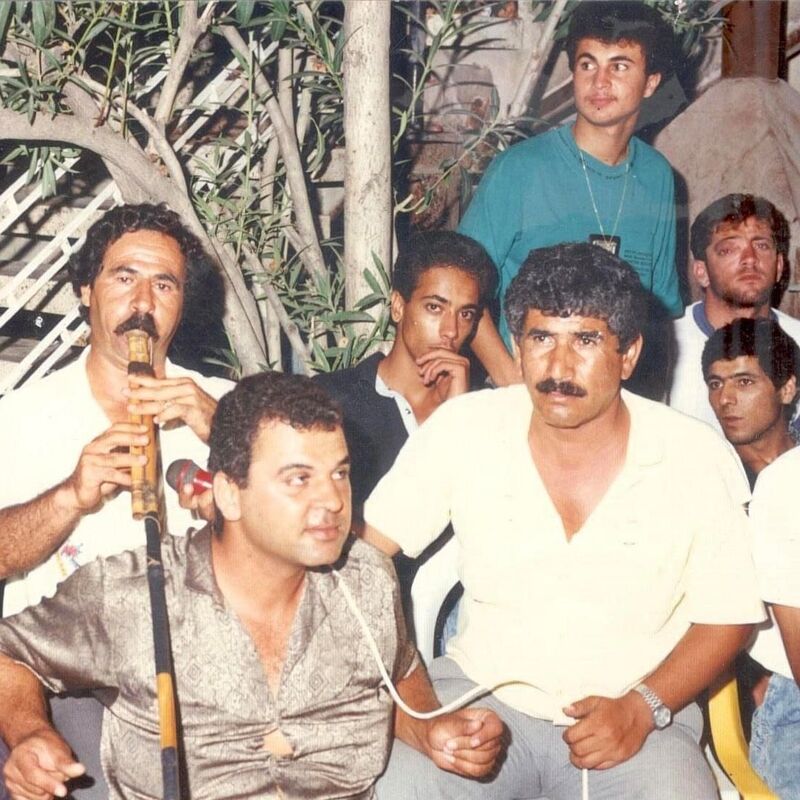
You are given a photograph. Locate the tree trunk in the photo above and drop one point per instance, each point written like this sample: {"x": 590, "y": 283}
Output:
{"x": 368, "y": 148}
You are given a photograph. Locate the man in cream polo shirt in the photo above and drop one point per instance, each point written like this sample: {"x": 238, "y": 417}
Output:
{"x": 606, "y": 572}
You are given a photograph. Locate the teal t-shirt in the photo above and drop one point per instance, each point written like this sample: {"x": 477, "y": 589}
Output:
{"x": 535, "y": 195}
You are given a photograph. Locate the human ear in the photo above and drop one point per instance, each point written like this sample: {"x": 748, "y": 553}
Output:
{"x": 397, "y": 305}
{"x": 652, "y": 84}
{"x": 631, "y": 356}
{"x": 227, "y": 497}
{"x": 86, "y": 295}
{"x": 788, "y": 391}
{"x": 700, "y": 271}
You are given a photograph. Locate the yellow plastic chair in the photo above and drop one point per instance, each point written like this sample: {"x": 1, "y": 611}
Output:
{"x": 730, "y": 745}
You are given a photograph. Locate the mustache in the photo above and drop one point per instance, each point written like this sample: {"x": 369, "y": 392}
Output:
{"x": 549, "y": 385}
{"x": 139, "y": 322}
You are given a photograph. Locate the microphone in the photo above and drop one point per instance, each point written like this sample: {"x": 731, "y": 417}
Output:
{"x": 183, "y": 472}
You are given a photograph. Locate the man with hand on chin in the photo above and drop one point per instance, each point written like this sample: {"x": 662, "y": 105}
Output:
{"x": 602, "y": 548}
{"x": 70, "y": 433}
{"x": 591, "y": 181}
{"x": 440, "y": 286}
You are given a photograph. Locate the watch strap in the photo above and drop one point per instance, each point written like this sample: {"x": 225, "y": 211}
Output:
{"x": 662, "y": 715}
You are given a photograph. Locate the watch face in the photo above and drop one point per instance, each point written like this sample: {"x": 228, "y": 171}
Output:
{"x": 662, "y": 717}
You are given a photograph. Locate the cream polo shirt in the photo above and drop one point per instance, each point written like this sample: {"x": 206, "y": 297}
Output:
{"x": 776, "y": 547}
{"x": 666, "y": 546}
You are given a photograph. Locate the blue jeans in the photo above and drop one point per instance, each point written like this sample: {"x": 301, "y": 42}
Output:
{"x": 775, "y": 739}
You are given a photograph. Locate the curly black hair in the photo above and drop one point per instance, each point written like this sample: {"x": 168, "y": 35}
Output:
{"x": 269, "y": 396}
{"x": 734, "y": 209}
{"x": 777, "y": 353}
{"x": 432, "y": 249}
{"x": 578, "y": 279}
{"x": 611, "y": 22}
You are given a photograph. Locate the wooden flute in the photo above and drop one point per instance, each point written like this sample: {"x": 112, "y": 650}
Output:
{"x": 144, "y": 489}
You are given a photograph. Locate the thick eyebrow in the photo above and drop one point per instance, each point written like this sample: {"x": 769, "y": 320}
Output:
{"x": 597, "y": 336}
{"x": 614, "y": 59}
{"x": 299, "y": 465}
{"x": 438, "y": 298}
{"x": 760, "y": 238}
{"x": 741, "y": 374}
{"x": 538, "y": 332}
{"x": 128, "y": 270}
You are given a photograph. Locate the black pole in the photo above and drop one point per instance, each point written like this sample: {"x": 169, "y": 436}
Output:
{"x": 165, "y": 686}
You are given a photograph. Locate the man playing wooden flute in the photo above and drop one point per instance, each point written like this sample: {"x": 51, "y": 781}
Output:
{"x": 279, "y": 693}
{"x": 65, "y": 501}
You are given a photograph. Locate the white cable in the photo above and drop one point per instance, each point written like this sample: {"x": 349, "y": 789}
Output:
{"x": 455, "y": 704}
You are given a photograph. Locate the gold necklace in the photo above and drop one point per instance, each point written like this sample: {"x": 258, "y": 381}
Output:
{"x": 607, "y": 239}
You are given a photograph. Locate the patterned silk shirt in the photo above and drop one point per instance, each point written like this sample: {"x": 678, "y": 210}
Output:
{"x": 331, "y": 706}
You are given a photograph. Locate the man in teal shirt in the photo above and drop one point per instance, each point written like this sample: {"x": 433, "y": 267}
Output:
{"x": 592, "y": 181}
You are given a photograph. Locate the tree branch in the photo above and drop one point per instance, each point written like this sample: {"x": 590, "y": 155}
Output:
{"x": 269, "y": 164}
{"x": 304, "y": 106}
{"x": 156, "y": 134}
{"x": 289, "y": 328}
{"x": 150, "y": 186}
{"x": 190, "y": 30}
{"x": 519, "y": 105}
{"x": 311, "y": 252}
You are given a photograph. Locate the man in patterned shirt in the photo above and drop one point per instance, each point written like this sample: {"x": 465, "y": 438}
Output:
{"x": 278, "y": 691}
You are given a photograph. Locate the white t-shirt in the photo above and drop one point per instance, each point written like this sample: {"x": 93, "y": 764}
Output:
{"x": 775, "y": 525}
{"x": 666, "y": 546}
{"x": 43, "y": 428}
{"x": 688, "y": 392}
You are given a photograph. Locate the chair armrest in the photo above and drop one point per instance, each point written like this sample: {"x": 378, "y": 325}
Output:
{"x": 730, "y": 745}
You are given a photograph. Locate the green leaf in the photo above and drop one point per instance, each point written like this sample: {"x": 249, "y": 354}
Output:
{"x": 32, "y": 166}
{"x": 43, "y": 20}
{"x": 350, "y": 317}
{"x": 244, "y": 11}
{"x": 373, "y": 284}
{"x": 276, "y": 29}
{"x": 5, "y": 15}
{"x": 21, "y": 5}
{"x": 48, "y": 180}
{"x": 96, "y": 30}
{"x": 368, "y": 301}
{"x": 319, "y": 353}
